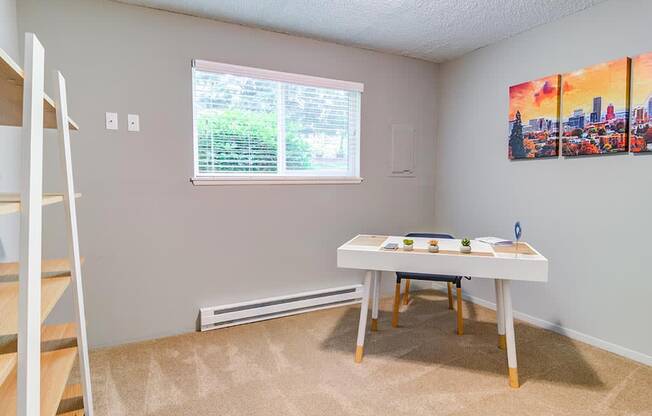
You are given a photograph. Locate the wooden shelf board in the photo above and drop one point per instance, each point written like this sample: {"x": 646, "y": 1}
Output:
{"x": 7, "y": 364}
{"x": 58, "y": 332}
{"x": 55, "y": 369}
{"x": 11, "y": 97}
{"x": 51, "y": 290}
{"x": 10, "y": 202}
{"x": 73, "y": 413}
{"x": 71, "y": 400}
{"x": 53, "y": 337}
{"x": 72, "y": 391}
{"x": 47, "y": 266}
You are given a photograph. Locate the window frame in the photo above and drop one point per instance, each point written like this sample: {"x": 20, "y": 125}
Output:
{"x": 257, "y": 178}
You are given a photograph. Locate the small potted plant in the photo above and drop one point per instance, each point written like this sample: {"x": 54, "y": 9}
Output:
{"x": 408, "y": 244}
{"x": 433, "y": 246}
{"x": 466, "y": 246}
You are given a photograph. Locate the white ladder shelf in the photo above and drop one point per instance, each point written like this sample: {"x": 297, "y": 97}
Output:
{"x": 36, "y": 359}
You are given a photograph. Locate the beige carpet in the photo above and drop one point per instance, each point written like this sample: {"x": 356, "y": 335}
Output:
{"x": 303, "y": 365}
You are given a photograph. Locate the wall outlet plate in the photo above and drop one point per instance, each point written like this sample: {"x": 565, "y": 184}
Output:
{"x": 133, "y": 122}
{"x": 112, "y": 121}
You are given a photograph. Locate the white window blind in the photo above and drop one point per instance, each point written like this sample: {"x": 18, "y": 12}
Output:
{"x": 255, "y": 125}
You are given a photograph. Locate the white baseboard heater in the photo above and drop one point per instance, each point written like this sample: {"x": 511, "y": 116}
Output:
{"x": 269, "y": 308}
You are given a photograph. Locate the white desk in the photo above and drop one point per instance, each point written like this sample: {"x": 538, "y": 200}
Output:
{"x": 366, "y": 252}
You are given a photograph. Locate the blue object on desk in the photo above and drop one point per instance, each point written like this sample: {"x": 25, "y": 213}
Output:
{"x": 518, "y": 230}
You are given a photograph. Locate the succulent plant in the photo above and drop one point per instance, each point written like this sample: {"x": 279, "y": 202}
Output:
{"x": 408, "y": 242}
{"x": 433, "y": 242}
{"x": 466, "y": 242}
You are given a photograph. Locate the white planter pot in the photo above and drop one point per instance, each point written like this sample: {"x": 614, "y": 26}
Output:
{"x": 465, "y": 249}
{"x": 407, "y": 248}
{"x": 433, "y": 249}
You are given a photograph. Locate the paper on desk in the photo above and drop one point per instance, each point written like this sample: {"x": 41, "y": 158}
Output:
{"x": 495, "y": 241}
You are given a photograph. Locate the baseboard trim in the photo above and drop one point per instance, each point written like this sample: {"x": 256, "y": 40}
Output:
{"x": 570, "y": 333}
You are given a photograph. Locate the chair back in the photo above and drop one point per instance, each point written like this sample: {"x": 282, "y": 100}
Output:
{"x": 430, "y": 235}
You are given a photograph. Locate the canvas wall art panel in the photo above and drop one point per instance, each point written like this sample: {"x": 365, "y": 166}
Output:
{"x": 640, "y": 137}
{"x": 534, "y": 119}
{"x": 595, "y": 109}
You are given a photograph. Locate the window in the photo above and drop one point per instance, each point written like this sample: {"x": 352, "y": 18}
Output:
{"x": 253, "y": 125}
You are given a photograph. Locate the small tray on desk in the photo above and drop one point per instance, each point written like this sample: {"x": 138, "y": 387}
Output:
{"x": 520, "y": 248}
{"x": 368, "y": 240}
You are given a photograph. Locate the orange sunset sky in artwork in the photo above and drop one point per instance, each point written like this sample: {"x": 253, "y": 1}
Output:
{"x": 534, "y": 99}
{"x": 607, "y": 80}
{"x": 641, "y": 79}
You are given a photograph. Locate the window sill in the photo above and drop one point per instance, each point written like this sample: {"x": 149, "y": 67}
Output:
{"x": 226, "y": 181}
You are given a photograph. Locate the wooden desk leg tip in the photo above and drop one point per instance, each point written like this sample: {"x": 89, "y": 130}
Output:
{"x": 502, "y": 342}
{"x": 513, "y": 378}
{"x": 359, "y": 350}
{"x": 374, "y": 325}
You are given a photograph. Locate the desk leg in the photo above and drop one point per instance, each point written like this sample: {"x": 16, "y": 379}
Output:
{"x": 500, "y": 315}
{"x": 397, "y": 302}
{"x": 450, "y": 295}
{"x": 509, "y": 332}
{"x": 364, "y": 309}
{"x": 375, "y": 301}
{"x": 406, "y": 296}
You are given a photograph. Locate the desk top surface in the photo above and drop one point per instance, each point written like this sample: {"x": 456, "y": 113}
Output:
{"x": 365, "y": 242}
{"x": 368, "y": 252}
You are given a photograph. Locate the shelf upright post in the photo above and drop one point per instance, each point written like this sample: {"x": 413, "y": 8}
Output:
{"x": 31, "y": 194}
{"x": 73, "y": 239}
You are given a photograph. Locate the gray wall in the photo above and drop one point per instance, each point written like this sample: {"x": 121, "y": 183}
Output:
{"x": 589, "y": 216}
{"x": 9, "y": 140}
{"x": 158, "y": 248}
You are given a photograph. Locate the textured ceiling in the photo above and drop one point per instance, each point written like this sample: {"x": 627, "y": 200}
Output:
{"x": 435, "y": 30}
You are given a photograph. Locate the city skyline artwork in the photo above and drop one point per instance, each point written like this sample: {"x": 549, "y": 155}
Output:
{"x": 534, "y": 118}
{"x": 640, "y": 136}
{"x": 595, "y": 109}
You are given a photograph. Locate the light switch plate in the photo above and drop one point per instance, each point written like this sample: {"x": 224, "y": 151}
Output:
{"x": 112, "y": 121}
{"x": 133, "y": 122}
